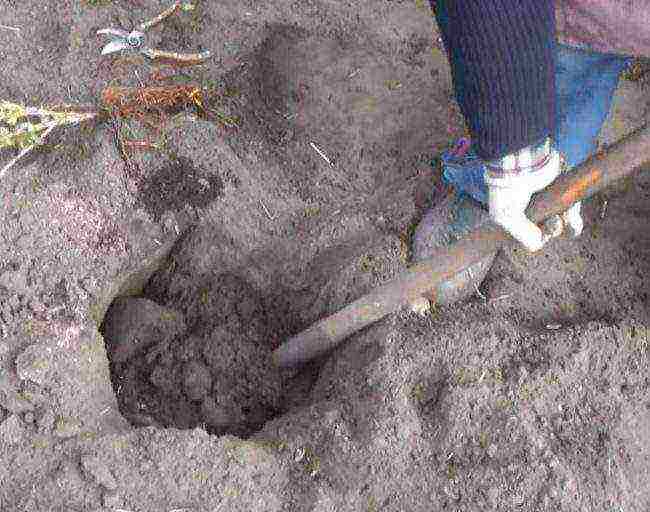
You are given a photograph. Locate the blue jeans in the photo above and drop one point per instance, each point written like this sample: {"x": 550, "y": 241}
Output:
{"x": 585, "y": 84}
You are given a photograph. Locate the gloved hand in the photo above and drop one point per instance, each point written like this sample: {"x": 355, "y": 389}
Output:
{"x": 513, "y": 180}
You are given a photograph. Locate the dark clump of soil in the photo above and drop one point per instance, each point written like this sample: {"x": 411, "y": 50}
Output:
{"x": 214, "y": 373}
{"x": 176, "y": 184}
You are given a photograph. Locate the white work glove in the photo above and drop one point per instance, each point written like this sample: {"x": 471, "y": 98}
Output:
{"x": 511, "y": 183}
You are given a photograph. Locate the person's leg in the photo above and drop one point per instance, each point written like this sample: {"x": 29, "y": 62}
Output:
{"x": 501, "y": 55}
{"x": 585, "y": 85}
{"x": 502, "y": 58}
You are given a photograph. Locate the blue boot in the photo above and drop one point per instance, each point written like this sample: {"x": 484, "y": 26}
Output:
{"x": 454, "y": 216}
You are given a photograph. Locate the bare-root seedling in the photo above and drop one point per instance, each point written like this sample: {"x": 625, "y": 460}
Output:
{"x": 151, "y": 106}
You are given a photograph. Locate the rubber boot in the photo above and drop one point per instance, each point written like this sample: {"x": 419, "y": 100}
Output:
{"x": 446, "y": 222}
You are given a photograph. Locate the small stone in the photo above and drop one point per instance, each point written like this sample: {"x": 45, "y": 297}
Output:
{"x": 96, "y": 469}
{"x": 29, "y": 417}
{"x": 197, "y": 380}
{"x": 299, "y": 454}
{"x": 518, "y": 500}
{"x": 12, "y": 430}
{"x": 492, "y": 450}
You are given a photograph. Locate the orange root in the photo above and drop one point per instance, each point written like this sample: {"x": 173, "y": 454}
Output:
{"x": 127, "y": 101}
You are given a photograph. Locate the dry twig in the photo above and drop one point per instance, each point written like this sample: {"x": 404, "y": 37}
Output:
{"x": 322, "y": 155}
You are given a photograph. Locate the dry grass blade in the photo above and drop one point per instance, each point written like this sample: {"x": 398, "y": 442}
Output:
{"x": 146, "y": 25}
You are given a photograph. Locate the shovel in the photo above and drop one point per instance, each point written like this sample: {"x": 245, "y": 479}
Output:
{"x": 624, "y": 158}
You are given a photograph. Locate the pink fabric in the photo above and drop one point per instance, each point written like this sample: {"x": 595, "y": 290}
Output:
{"x": 609, "y": 26}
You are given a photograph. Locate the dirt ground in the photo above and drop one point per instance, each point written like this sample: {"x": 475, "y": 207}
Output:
{"x": 143, "y": 291}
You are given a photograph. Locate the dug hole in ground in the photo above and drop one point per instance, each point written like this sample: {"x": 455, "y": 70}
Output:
{"x": 142, "y": 294}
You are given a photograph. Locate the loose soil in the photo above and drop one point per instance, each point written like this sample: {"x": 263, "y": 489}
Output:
{"x": 143, "y": 291}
